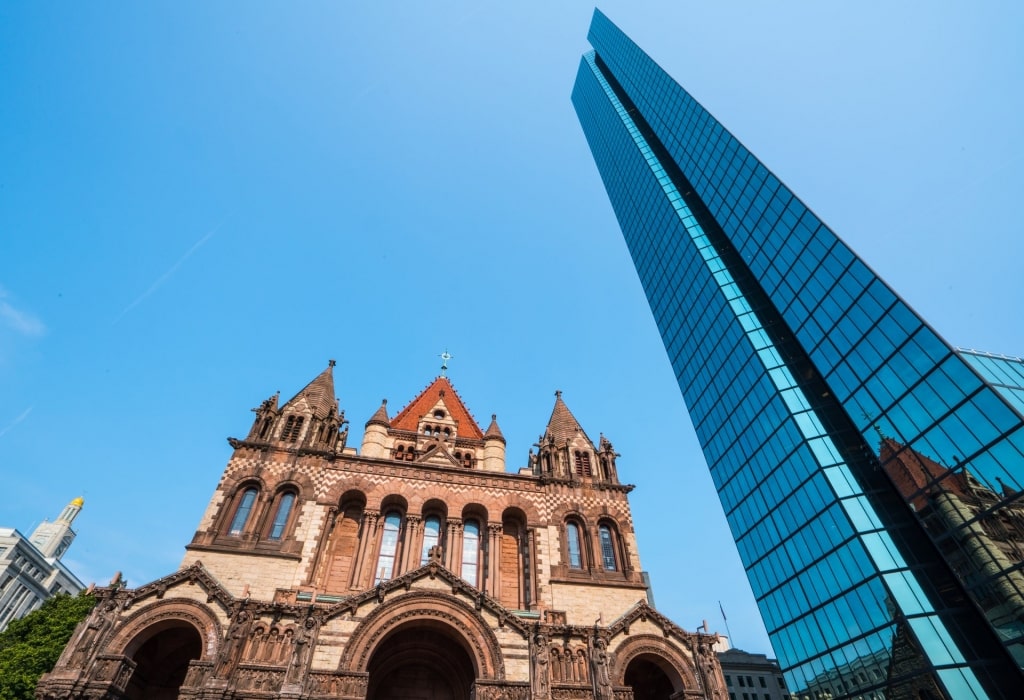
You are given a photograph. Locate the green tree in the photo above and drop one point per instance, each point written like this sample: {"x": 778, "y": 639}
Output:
{"x": 30, "y": 647}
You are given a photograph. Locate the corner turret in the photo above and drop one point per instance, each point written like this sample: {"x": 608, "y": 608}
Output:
{"x": 375, "y": 437}
{"x": 494, "y": 447}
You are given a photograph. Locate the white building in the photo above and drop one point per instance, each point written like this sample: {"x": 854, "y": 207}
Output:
{"x": 30, "y": 567}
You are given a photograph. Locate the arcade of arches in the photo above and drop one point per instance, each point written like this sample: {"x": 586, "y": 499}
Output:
{"x": 417, "y": 565}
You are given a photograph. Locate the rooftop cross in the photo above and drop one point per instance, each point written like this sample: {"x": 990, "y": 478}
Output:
{"x": 445, "y": 356}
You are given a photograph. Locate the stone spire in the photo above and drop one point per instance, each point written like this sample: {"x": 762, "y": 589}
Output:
{"x": 317, "y": 398}
{"x": 562, "y": 425}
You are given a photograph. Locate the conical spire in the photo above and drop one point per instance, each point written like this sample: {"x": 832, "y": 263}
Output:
{"x": 493, "y": 431}
{"x": 562, "y": 425}
{"x": 381, "y": 416}
{"x": 318, "y": 394}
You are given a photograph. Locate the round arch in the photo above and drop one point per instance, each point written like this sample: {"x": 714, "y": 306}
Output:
{"x": 437, "y": 611}
{"x": 149, "y": 620}
{"x": 162, "y": 640}
{"x": 654, "y": 653}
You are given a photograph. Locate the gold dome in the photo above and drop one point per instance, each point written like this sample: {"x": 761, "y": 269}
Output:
{"x": 78, "y": 502}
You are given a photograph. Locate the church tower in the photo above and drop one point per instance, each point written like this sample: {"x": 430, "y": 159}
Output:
{"x": 417, "y": 565}
{"x": 53, "y": 539}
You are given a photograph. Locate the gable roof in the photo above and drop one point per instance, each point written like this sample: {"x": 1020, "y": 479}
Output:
{"x": 438, "y": 390}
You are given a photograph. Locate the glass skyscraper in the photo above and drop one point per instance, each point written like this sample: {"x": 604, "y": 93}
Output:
{"x": 870, "y": 473}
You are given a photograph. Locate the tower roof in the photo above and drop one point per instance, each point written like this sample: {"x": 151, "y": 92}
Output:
{"x": 380, "y": 417}
{"x": 438, "y": 390}
{"x": 493, "y": 431}
{"x": 562, "y": 425}
{"x": 318, "y": 395}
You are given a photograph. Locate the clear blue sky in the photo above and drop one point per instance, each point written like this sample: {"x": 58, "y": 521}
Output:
{"x": 202, "y": 203}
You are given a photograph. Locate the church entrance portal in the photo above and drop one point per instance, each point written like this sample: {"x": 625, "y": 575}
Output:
{"x": 649, "y": 677}
{"x": 161, "y": 655}
{"x": 421, "y": 661}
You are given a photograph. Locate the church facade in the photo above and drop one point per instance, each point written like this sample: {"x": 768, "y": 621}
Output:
{"x": 417, "y": 566}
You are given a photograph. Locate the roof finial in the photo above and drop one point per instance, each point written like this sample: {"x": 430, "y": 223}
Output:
{"x": 445, "y": 356}
{"x": 331, "y": 363}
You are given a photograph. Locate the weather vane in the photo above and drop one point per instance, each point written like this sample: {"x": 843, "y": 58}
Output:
{"x": 445, "y": 356}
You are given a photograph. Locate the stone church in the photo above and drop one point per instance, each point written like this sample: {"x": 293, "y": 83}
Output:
{"x": 417, "y": 566}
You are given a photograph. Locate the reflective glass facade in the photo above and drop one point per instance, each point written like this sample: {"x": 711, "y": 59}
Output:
{"x": 870, "y": 474}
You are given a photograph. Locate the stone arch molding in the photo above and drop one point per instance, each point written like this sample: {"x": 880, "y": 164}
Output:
{"x": 641, "y": 644}
{"x": 177, "y": 610}
{"x": 426, "y": 606}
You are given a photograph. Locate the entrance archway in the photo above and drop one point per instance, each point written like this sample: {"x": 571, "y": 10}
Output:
{"x": 421, "y": 660}
{"x": 161, "y": 654}
{"x": 651, "y": 678}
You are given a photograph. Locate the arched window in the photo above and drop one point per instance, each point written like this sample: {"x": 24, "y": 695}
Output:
{"x": 431, "y": 536}
{"x": 470, "y": 551}
{"x": 292, "y": 428}
{"x": 572, "y": 538}
{"x": 607, "y": 548}
{"x": 242, "y": 511}
{"x": 388, "y": 547}
{"x": 284, "y": 510}
{"x": 582, "y": 463}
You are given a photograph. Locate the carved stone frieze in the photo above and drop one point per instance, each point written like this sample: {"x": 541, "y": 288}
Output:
{"x": 337, "y": 684}
{"x": 490, "y": 690}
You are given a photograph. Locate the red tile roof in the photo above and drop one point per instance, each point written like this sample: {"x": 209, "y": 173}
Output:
{"x": 408, "y": 418}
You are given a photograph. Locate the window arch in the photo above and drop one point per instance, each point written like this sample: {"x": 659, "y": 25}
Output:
{"x": 471, "y": 551}
{"x": 609, "y": 554}
{"x": 392, "y": 531}
{"x": 574, "y": 542}
{"x": 243, "y": 510}
{"x": 431, "y": 536}
{"x": 292, "y": 428}
{"x": 581, "y": 461}
{"x": 279, "y": 526}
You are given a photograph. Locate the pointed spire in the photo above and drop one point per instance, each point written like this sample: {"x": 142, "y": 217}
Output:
{"x": 319, "y": 394}
{"x": 381, "y": 416}
{"x": 493, "y": 431}
{"x": 562, "y": 425}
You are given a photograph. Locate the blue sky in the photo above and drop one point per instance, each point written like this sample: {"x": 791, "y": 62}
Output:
{"x": 202, "y": 203}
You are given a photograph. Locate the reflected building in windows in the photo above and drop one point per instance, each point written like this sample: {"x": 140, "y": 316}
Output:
{"x": 870, "y": 473}
{"x": 414, "y": 566}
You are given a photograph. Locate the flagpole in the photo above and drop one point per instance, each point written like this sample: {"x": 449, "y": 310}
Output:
{"x": 732, "y": 642}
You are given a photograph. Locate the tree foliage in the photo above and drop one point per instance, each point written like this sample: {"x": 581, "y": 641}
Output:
{"x": 30, "y": 647}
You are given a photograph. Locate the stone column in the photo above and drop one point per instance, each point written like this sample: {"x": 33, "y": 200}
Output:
{"x": 454, "y": 553}
{"x": 367, "y": 548}
{"x": 493, "y": 581}
{"x": 530, "y": 566}
{"x": 412, "y": 543}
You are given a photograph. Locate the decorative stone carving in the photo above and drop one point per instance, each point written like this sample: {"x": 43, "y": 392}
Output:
{"x": 232, "y": 648}
{"x": 490, "y": 690}
{"x": 541, "y": 654}
{"x": 255, "y": 678}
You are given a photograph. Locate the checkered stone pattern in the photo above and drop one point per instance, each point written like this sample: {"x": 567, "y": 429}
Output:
{"x": 378, "y": 479}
